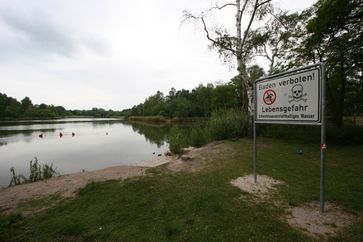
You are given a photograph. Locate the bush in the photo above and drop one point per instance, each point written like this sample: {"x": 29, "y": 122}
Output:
{"x": 226, "y": 124}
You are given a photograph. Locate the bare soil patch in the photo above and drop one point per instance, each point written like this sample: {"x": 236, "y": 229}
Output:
{"x": 198, "y": 157}
{"x": 262, "y": 188}
{"x": 156, "y": 161}
{"x": 308, "y": 219}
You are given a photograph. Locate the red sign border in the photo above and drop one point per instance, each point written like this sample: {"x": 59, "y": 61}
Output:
{"x": 264, "y": 96}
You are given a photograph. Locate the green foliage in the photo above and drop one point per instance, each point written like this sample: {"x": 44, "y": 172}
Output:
{"x": 6, "y": 223}
{"x": 226, "y": 124}
{"x": 224, "y": 97}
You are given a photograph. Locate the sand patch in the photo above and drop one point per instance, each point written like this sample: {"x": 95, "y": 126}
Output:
{"x": 263, "y": 187}
{"x": 198, "y": 157}
{"x": 156, "y": 161}
{"x": 308, "y": 219}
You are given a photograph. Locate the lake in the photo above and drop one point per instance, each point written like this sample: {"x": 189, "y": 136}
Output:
{"x": 96, "y": 144}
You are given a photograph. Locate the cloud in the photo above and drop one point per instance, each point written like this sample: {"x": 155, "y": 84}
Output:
{"x": 37, "y": 33}
{"x": 96, "y": 45}
{"x": 38, "y": 36}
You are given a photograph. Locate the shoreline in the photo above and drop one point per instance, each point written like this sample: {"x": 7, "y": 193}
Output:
{"x": 67, "y": 185}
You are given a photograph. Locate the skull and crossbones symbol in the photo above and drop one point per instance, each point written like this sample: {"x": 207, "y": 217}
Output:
{"x": 297, "y": 94}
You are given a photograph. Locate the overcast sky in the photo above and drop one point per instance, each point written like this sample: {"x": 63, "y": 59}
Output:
{"x": 110, "y": 54}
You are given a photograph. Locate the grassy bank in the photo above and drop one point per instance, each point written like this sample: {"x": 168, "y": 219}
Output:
{"x": 202, "y": 205}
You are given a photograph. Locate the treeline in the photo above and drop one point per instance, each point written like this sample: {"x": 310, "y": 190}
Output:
{"x": 201, "y": 101}
{"x": 12, "y": 109}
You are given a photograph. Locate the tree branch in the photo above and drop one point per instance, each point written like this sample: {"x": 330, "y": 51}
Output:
{"x": 266, "y": 53}
{"x": 260, "y": 4}
{"x": 187, "y": 15}
{"x": 223, "y": 6}
{"x": 242, "y": 10}
{"x": 257, "y": 5}
{"x": 277, "y": 18}
{"x": 213, "y": 40}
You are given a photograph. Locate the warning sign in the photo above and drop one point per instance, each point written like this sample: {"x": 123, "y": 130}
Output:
{"x": 290, "y": 97}
{"x": 269, "y": 97}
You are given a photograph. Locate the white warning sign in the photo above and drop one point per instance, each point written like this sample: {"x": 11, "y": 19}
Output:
{"x": 289, "y": 98}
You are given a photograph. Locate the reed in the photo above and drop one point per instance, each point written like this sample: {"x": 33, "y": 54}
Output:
{"x": 37, "y": 172}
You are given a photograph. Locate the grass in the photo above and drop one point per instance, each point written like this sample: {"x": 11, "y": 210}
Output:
{"x": 202, "y": 206}
{"x": 38, "y": 204}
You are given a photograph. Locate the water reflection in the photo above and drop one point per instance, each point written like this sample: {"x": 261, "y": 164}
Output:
{"x": 6, "y": 133}
{"x": 153, "y": 133}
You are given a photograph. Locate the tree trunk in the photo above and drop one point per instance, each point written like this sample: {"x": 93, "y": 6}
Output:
{"x": 247, "y": 106}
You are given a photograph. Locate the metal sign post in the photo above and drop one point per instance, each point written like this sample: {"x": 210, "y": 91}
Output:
{"x": 293, "y": 97}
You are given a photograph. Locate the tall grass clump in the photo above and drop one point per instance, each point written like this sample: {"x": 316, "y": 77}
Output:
{"x": 199, "y": 136}
{"x": 227, "y": 124}
{"x": 16, "y": 179}
{"x": 40, "y": 172}
{"x": 177, "y": 141}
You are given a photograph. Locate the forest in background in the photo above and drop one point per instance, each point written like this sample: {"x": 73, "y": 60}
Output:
{"x": 12, "y": 109}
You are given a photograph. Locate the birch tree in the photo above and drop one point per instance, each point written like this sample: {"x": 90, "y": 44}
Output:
{"x": 237, "y": 45}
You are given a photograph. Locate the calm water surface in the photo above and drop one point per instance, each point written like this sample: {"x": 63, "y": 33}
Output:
{"x": 98, "y": 143}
